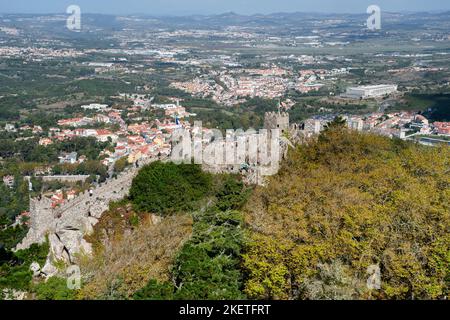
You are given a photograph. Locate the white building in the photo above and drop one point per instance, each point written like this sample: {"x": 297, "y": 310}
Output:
{"x": 364, "y": 92}
{"x": 101, "y": 64}
{"x": 95, "y": 106}
{"x": 355, "y": 124}
{"x": 68, "y": 158}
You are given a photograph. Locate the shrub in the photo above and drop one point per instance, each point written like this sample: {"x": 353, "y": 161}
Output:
{"x": 165, "y": 188}
{"x": 54, "y": 289}
{"x": 155, "y": 290}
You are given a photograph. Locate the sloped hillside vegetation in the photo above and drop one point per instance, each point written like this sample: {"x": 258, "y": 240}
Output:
{"x": 128, "y": 259}
{"x": 15, "y": 273}
{"x": 343, "y": 206}
{"x": 157, "y": 247}
{"x": 209, "y": 264}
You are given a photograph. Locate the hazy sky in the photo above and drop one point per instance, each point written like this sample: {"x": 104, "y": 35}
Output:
{"x": 177, "y": 7}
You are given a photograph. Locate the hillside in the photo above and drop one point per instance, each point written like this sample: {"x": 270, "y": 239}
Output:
{"x": 342, "y": 204}
{"x": 130, "y": 252}
{"x": 177, "y": 236}
{"x": 342, "y": 207}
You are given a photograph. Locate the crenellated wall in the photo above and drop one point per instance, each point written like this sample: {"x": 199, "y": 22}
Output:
{"x": 276, "y": 120}
{"x": 67, "y": 225}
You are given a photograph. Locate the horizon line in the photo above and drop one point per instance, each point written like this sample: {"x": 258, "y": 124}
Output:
{"x": 225, "y": 13}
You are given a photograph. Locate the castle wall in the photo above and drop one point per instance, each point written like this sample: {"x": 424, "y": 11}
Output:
{"x": 276, "y": 120}
{"x": 67, "y": 225}
{"x": 256, "y": 174}
{"x": 68, "y": 178}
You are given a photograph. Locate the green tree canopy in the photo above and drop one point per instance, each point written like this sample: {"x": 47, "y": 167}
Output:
{"x": 164, "y": 188}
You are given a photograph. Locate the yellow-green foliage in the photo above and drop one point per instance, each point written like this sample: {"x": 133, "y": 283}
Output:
{"x": 343, "y": 203}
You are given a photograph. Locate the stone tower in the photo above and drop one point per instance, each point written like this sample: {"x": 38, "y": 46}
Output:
{"x": 277, "y": 120}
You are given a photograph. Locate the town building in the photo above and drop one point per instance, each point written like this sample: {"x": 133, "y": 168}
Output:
{"x": 442, "y": 128}
{"x": 68, "y": 158}
{"x": 364, "y": 92}
{"x": 45, "y": 142}
{"x": 95, "y": 106}
{"x": 355, "y": 124}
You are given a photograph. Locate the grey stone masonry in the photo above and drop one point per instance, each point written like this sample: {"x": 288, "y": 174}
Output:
{"x": 67, "y": 225}
{"x": 276, "y": 120}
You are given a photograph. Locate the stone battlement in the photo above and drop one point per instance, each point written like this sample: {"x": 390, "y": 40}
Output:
{"x": 276, "y": 114}
{"x": 67, "y": 225}
{"x": 276, "y": 120}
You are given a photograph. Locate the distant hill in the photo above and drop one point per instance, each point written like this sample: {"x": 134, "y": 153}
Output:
{"x": 299, "y": 20}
